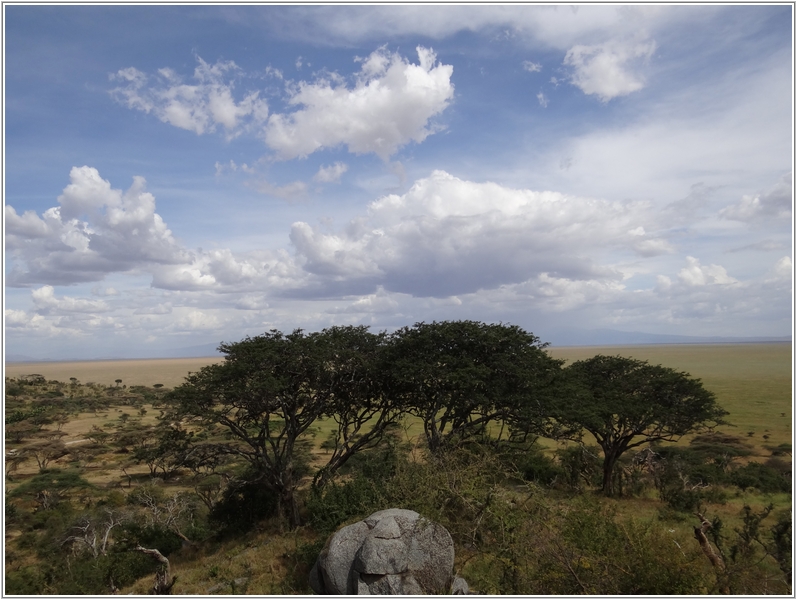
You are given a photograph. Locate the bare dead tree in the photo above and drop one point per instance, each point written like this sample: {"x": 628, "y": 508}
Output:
{"x": 46, "y": 499}
{"x": 168, "y": 514}
{"x": 164, "y": 580}
{"x": 93, "y": 535}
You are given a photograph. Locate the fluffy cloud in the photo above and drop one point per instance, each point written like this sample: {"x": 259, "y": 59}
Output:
{"x": 389, "y": 106}
{"x": 95, "y": 230}
{"x": 776, "y": 203}
{"x": 46, "y": 302}
{"x": 378, "y": 302}
{"x": 331, "y": 174}
{"x": 695, "y": 274}
{"x": 608, "y": 70}
{"x": 200, "y": 107}
{"x": 447, "y": 248}
{"x": 114, "y": 232}
{"x": 448, "y": 236}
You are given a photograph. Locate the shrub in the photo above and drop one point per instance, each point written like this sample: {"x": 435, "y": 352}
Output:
{"x": 762, "y": 477}
{"x": 243, "y": 503}
{"x": 25, "y": 580}
{"x": 341, "y": 502}
{"x": 53, "y": 481}
{"x": 582, "y": 466}
{"x": 149, "y": 536}
{"x": 531, "y": 462}
{"x": 780, "y": 449}
{"x": 360, "y": 490}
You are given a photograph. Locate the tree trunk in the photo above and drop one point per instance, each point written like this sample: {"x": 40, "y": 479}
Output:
{"x": 288, "y": 509}
{"x": 609, "y": 460}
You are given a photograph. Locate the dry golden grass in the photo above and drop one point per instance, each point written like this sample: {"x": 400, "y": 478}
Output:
{"x": 260, "y": 560}
{"x": 751, "y": 381}
{"x": 169, "y": 371}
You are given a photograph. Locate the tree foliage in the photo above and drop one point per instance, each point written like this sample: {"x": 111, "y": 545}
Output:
{"x": 459, "y": 376}
{"x": 269, "y": 391}
{"x": 624, "y": 403}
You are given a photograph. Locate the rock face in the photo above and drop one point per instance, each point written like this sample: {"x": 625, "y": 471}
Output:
{"x": 393, "y": 551}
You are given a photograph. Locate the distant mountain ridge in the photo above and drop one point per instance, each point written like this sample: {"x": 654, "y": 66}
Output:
{"x": 199, "y": 351}
{"x": 574, "y": 337}
{"x": 612, "y": 337}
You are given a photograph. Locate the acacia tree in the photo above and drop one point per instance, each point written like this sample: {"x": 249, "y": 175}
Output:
{"x": 271, "y": 388}
{"x": 459, "y": 376}
{"x": 625, "y": 403}
{"x": 361, "y": 403}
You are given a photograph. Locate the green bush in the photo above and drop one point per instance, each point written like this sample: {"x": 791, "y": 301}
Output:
{"x": 582, "y": 466}
{"x": 600, "y": 553}
{"x": 132, "y": 534}
{"x": 27, "y": 580}
{"x": 243, "y": 504}
{"x": 531, "y": 462}
{"x": 359, "y": 489}
{"x": 341, "y": 502}
{"x": 762, "y": 477}
{"x": 52, "y": 480}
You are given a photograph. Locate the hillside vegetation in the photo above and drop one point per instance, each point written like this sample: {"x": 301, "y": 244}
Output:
{"x": 239, "y": 475}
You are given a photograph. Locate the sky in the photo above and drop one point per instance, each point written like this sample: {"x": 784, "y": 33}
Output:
{"x": 176, "y": 176}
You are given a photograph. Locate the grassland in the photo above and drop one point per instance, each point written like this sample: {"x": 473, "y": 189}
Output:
{"x": 168, "y": 371}
{"x": 752, "y": 381}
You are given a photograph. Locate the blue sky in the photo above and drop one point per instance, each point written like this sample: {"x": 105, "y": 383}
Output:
{"x": 177, "y": 175}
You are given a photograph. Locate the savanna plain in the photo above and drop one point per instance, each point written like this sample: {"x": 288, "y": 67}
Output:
{"x": 87, "y": 484}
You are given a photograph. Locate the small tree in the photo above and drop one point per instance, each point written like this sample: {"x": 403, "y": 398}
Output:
{"x": 45, "y": 451}
{"x": 625, "y": 403}
{"x": 271, "y": 388}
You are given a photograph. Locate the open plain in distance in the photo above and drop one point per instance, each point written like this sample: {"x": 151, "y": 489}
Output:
{"x": 751, "y": 381}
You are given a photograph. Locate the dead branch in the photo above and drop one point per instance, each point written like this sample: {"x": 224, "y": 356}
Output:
{"x": 164, "y": 581}
{"x": 708, "y": 550}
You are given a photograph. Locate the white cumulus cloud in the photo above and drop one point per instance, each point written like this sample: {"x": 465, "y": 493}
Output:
{"x": 448, "y": 236}
{"x": 46, "y": 302}
{"x": 390, "y": 105}
{"x": 695, "y": 274}
{"x": 610, "y": 69}
{"x": 200, "y": 106}
{"x": 775, "y": 203}
{"x": 331, "y": 174}
{"x": 94, "y": 231}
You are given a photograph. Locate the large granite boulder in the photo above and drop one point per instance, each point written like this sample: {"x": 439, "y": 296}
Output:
{"x": 393, "y": 551}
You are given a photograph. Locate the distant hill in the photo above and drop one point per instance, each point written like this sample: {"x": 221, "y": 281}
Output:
{"x": 192, "y": 351}
{"x": 183, "y": 352}
{"x": 9, "y": 358}
{"x": 612, "y": 337}
{"x": 571, "y": 337}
